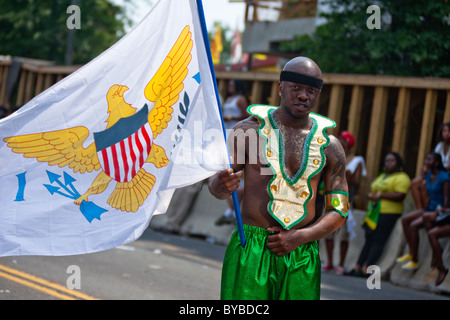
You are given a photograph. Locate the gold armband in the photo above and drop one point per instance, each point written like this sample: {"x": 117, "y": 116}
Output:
{"x": 337, "y": 201}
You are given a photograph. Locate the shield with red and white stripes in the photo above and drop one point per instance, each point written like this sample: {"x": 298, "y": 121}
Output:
{"x": 123, "y": 149}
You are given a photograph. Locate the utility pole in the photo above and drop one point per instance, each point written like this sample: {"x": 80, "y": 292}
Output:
{"x": 70, "y": 41}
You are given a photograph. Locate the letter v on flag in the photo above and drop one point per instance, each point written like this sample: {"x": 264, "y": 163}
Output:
{"x": 88, "y": 162}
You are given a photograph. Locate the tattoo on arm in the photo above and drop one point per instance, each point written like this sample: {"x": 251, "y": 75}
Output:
{"x": 338, "y": 181}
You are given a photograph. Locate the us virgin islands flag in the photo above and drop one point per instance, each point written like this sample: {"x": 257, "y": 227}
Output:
{"x": 87, "y": 163}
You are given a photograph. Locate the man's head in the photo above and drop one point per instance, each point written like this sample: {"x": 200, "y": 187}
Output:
{"x": 300, "y": 85}
{"x": 302, "y": 70}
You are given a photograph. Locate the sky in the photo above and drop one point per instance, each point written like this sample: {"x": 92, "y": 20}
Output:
{"x": 230, "y": 14}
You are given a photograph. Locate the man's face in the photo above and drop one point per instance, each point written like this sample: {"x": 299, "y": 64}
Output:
{"x": 298, "y": 99}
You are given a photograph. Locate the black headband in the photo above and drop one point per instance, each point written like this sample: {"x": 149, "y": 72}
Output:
{"x": 301, "y": 78}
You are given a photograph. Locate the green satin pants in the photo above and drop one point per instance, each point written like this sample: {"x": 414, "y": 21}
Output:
{"x": 253, "y": 272}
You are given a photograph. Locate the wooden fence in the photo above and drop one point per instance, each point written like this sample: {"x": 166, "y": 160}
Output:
{"x": 35, "y": 77}
{"x": 402, "y": 114}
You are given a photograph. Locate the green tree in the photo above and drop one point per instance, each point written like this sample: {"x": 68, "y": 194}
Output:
{"x": 38, "y": 29}
{"x": 414, "y": 39}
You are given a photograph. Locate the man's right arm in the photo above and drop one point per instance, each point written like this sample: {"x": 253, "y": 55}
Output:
{"x": 223, "y": 183}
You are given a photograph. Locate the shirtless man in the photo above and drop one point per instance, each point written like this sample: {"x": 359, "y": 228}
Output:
{"x": 280, "y": 259}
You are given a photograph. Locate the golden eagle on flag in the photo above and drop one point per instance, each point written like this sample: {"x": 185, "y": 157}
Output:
{"x": 121, "y": 150}
{"x": 87, "y": 163}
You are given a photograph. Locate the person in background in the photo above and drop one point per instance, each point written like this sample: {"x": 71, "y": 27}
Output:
{"x": 3, "y": 112}
{"x": 387, "y": 193}
{"x": 443, "y": 147}
{"x": 234, "y": 109}
{"x": 437, "y": 189}
{"x": 436, "y": 231}
{"x": 418, "y": 185}
{"x": 355, "y": 169}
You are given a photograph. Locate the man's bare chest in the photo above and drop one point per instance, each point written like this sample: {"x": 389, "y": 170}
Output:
{"x": 293, "y": 151}
{"x": 295, "y": 156}
{"x": 290, "y": 147}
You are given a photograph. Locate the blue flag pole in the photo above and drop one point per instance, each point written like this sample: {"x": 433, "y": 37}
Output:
{"x": 237, "y": 209}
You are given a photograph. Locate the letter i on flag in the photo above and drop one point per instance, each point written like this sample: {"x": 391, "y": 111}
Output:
{"x": 88, "y": 162}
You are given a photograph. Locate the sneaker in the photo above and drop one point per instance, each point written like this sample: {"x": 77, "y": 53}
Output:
{"x": 411, "y": 265}
{"x": 405, "y": 258}
{"x": 355, "y": 273}
{"x": 340, "y": 271}
{"x": 327, "y": 267}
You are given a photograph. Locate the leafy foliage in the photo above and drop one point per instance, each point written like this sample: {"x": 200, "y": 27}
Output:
{"x": 414, "y": 39}
{"x": 37, "y": 28}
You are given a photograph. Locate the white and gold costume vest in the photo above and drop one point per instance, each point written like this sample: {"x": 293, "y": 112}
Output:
{"x": 290, "y": 196}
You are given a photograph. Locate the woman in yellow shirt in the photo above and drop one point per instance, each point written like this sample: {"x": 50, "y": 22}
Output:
{"x": 388, "y": 191}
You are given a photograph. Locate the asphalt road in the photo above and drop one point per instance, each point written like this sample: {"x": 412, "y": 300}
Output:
{"x": 156, "y": 267}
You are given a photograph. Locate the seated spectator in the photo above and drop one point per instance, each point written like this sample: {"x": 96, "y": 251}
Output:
{"x": 436, "y": 231}
{"x": 418, "y": 189}
{"x": 443, "y": 147}
{"x": 437, "y": 188}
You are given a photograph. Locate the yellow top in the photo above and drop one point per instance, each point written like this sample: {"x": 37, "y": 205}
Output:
{"x": 394, "y": 182}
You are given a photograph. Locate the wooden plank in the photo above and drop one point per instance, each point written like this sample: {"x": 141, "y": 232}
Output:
{"x": 21, "y": 91}
{"x": 401, "y": 121}
{"x": 222, "y": 88}
{"x": 274, "y": 99}
{"x": 387, "y": 81}
{"x": 5, "y": 63}
{"x": 3, "y": 77}
{"x": 335, "y": 105}
{"x": 354, "y": 113}
{"x": 40, "y": 83}
{"x": 248, "y": 75}
{"x": 349, "y": 79}
{"x": 48, "y": 81}
{"x": 29, "y": 86}
{"x": 447, "y": 108}
{"x": 256, "y": 92}
{"x": 426, "y": 133}
{"x": 377, "y": 125}
{"x": 64, "y": 70}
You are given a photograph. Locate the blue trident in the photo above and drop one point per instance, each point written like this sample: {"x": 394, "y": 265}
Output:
{"x": 89, "y": 209}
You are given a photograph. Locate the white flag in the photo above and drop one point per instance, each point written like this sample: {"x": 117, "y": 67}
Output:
{"x": 87, "y": 163}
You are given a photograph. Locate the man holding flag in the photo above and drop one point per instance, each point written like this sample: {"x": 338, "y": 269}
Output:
{"x": 87, "y": 163}
{"x": 280, "y": 258}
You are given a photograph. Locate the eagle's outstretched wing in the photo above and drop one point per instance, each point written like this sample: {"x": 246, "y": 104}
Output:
{"x": 165, "y": 87}
{"x": 62, "y": 148}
